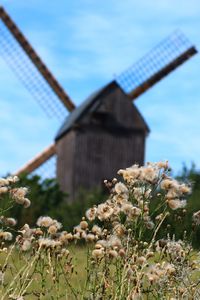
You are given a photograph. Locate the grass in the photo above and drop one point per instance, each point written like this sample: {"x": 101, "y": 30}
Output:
{"x": 127, "y": 260}
{"x": 77, "y": 274}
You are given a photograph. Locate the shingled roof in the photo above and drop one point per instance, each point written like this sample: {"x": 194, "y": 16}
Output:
{"x": 89, "y": 105}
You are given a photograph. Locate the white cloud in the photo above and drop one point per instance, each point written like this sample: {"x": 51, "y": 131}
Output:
{"x": 84, "y": 43}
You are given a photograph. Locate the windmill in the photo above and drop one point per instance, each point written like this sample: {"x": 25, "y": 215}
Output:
{"x": 108, "y": 119}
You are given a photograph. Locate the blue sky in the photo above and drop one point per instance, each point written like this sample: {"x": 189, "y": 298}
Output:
{"x": 85, "y": 44}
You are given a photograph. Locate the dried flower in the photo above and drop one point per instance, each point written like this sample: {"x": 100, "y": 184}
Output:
{"x": 91, "y": 213}
{"x": 3, "y": 189}
{"x": 98, "y": 253}
{"x": 149, "y": 225}
{"x": 149, "y": 174}
{"x": 112, "y": 253}
{"x": 26, "y": 203}
{"x": 166, "y": 184}
{"x": 5, "y": 235}
{"x": 96, "y": 230}
{"x": 131, "y": 174}
{"x": 163, "y": 164}
{"x": 90, "y": 237}
{"x": 104, "y": 211}
{"x": 65, "y": 237}
{"x": 44, "y": 221}
{"x": 13, "y": 179}
{"x": 176, "y": 203}
{"x": 18, "y": 194}
{"x": 196, "y": 217}
{"x": 119, "y": 230}
{"x": 120, "y": 188}
{"x": 141, "y": 260}
{"x": 84, "y": 225}
{"x": 114, "y": 241}
{"x": 26, "y": 231}
{"x": 52, "y": 229}
{"x": 47, "y": 222}
{"x": 26, "y": 245}
{"x": 10, "y": 221}
{"x": 3, "y": 182}
{"x": 48, "y": 243}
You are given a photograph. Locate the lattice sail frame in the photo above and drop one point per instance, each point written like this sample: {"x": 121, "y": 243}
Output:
{"x": 29, "y": 68}
{"x": 47, "y": 169}
{"x": 156, "y": 64}
{"x": 39, "y": 81}
{"x": 35, "y": 76}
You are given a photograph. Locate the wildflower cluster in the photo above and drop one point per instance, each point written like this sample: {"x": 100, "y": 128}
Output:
{"x": 47, "y": 261}
{"x": 126, "y": 258}
{"x": 16, "y": 195}
{"x": 121, "y": 243}
{"x": 45, "y": 236}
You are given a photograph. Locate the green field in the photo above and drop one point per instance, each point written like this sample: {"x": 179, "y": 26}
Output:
{"x": 75, "y": 278}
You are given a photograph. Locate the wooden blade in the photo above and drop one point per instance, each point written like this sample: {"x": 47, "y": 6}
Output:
{"x": 162, "y": 73}
{"x": 36, "y": 60}
{"x": 37, "y": 161}
{"x": 156, "y": 64}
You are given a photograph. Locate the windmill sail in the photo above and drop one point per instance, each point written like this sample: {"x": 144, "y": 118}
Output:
{"x": 158, "y": 63}
{"x": 47, "y": 169}
{"x": 22, "y": 58}
{"x": 43, "y": 164}
{"x": 38, "y": 161}
{"x": 33, "y": 73}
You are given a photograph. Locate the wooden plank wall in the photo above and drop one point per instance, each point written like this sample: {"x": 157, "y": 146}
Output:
{"x": 65, "y": 149}
{"x": 96, "y": 151}
{"x": 100, "y": 156}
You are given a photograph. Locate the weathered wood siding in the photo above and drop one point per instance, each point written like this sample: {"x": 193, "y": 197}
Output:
{"x": 65, "y": 149}
{"x": 99, "y": 155}
{"x": 108, "y": 138}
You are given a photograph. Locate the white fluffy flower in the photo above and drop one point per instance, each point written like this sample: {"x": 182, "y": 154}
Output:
{"x": 47, "y": 222}
{"x": 176, "y": 203}
{"x": 196, "y": 217}
{"x": 120, "y": 188}
{"x": 91, "y": 213}
{"x": 104, "y": 211}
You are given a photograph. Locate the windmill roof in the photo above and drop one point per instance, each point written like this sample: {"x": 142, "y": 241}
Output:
{"x": 87, "y": 105}
{"x": 79, "y": 111}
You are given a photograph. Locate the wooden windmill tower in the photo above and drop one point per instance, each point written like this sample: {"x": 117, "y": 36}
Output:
{"x": 106, "y": 132}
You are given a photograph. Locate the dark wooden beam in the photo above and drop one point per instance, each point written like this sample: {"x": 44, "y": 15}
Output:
{"x": 42, "y": 68}
{"x": 37, "y": 161}
{"x": 162, "y": 73}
